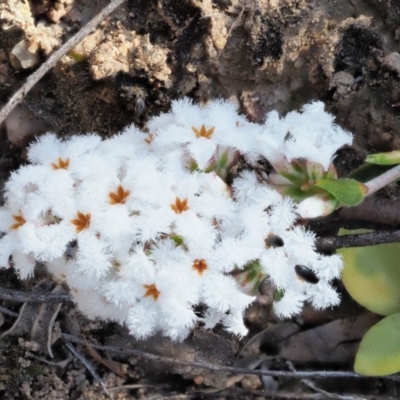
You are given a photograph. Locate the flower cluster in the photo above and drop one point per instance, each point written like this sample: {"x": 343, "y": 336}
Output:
{"x": 146, "y": 231}
{"x": 301, "y": 147}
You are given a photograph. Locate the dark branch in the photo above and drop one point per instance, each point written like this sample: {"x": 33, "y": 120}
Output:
{"x": 334, "y": 223}
{"x": 374, "y": 209}
{"x": 32, "y": 297}
{"x": 213, "y": 367}
{"x": 327, "y": 244}
{"x": 6, "y": 311}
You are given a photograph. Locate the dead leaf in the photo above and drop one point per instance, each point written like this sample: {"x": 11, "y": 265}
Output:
{"x": 112, "y": 365}
{"x": 335, "y": 342}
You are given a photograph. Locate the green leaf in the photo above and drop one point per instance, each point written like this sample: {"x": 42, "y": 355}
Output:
{"x": 366, "y": 172}
{"x": 278, "y": 294}
{"x": 222, "y": 161}
{"x": 379, "y": 351}
{"x": 193, "y": 166}
{"x": 389, "y": 158}
{"x": 371, "y": 275}
{"x": 177, "y": 239}
{"x": 296, "y": 178}
{"x": 296, "y": 193}
{"x": 348, "y": 191}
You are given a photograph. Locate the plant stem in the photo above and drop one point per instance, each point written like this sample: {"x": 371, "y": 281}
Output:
{"x": 382, "y": 180}
{"x": 330, "y": 243}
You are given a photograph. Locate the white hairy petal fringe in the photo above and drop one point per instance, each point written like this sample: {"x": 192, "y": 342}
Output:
{"x": 24, "y": 264}
{"x": 322, "y": 296}
{"x": 290, "y": 304}
{"x": 142, "y": 319}
{"x": 92, "y": 257}
{"x": 169, "y": 220}
{"x": 234, "y": 323}
{"x": 221, "y": 293}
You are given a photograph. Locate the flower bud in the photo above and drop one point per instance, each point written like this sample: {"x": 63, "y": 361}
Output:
{"x": 316, "y": 206}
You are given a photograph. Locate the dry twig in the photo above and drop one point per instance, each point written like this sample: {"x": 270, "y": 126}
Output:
{"x": 32, "y": 297}
{"x": 87, "y": 364}
{"x": 234, "y": 370}
{"x": 55, "y": 57}
{"x": 6, "y": 311}
{"x": 328, "y": 395}
{"x": 359, "y": 240}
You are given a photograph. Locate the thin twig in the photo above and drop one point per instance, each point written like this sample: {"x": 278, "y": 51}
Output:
{"x": 87, "y": 364}
{"x": 282, "y": 394}
{"x": 135, "y": 386}
{"x": 6, "y": 311}
{"x": 61, "y": 364}
{"x": 382, "y": 180}
{"x": 55, "y": 57}
{"x": 329, "y": 395}
{"x": 32, "y": 297}
{"x": 360, "y": 240}
{"x": 235, "y": 370}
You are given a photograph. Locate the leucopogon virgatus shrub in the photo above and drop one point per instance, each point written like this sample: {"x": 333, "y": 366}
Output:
{"x": 146, "y": 227}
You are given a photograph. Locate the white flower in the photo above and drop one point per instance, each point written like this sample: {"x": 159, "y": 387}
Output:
{"x": 310, "y": 134}
{"x": 144, "y": 228}
{"x": 200, "y": 130}
{"x": 291, "y": 304}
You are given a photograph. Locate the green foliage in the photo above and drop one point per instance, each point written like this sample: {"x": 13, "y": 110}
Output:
{"x": 371, "y": 275}
{"x": 177, "y": 239}
{"x": 389, "y": 158}
{"x": 304, "y": 179}
{"x": 379, "y": 352}
{"x": 249, "y": 277}
{"x": 349, "y": 192}
{"x": 366, "y": 172}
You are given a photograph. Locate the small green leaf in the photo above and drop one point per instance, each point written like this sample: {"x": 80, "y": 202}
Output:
{"x": 296, "y": 178}
{"x": 278, "y": 294}
{"x": 389, "y": 158}
{"x": 366, "y": 172}
{"x": 348, "y": 191}
{"x": 379, "y": 351}
{"x": 222, "y": 161}
{"x": 177, "y": 239}
{"x": 296, "y": 193}
{"x": 371, "y": 275}
{"x": 193, "y": 166}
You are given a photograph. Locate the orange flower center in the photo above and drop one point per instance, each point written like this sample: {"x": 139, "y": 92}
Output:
{"x": 200, "y": 266}
{"x": 203, "y": 132}
{"x": 19, "y": 221}
{"x": 149, "y": 139}
{"x": 180, "y": 205}
{"x": 119, "y": 196}
{"x": 81, "y": 222}
{"x": 61, "y": 164}
{"x": 151, "y": 290}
